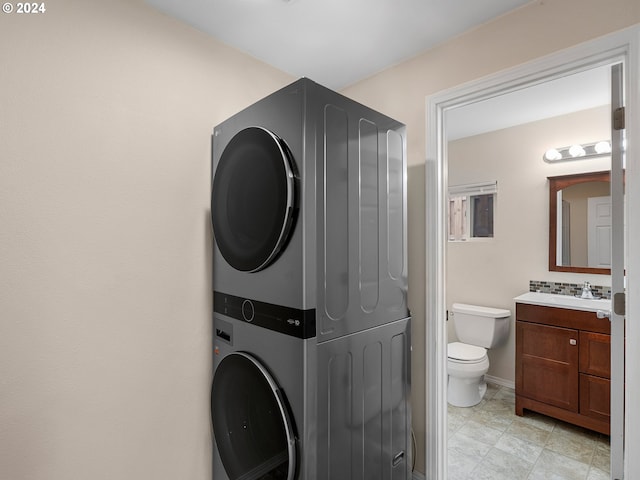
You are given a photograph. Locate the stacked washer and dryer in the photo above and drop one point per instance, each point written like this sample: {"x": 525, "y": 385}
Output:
{"x": 311, "y": 349}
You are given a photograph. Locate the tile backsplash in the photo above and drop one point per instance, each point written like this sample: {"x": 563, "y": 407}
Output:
{"x": 567, "y": 288}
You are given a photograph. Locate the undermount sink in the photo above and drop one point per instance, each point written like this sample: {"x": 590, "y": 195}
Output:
{"x": 564, "y": 301}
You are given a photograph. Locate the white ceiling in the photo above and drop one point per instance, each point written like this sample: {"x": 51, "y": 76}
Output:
{"x": 335, "y": 42}
{"x": 339, "y": 42}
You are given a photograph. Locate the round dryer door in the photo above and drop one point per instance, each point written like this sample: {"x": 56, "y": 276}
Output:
{"x": 251, "y": 423}
{"x": 253, "y": 199}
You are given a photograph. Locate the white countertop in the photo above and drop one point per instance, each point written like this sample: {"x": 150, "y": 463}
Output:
{"x": 563, "y": 301}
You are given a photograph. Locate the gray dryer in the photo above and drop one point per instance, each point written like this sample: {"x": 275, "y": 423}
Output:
{"x": 309, "y": 211}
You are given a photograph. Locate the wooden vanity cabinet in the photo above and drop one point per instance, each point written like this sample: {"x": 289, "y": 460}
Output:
{"x": 563, "y": 365}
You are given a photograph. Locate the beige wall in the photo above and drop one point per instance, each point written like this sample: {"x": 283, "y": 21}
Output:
{"x": 106, "y": 113}
{"x": 491, "y": 272}
{"x": 537, "y": 29}
{"x": 106, "y": 110}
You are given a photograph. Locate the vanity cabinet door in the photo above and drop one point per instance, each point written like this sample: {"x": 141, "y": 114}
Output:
{"x": 595, "y": 397}
{"x": 547, "y": 364}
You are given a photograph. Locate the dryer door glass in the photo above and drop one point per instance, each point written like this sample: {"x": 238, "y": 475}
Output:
{"x": 251, "y": 423}
{"x": 253, "y": 199}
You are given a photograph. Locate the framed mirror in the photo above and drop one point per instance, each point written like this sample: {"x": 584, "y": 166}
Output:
{"x": 580, "y": 223}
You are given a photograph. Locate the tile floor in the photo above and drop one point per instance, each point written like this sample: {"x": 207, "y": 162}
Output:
{"x": 490, "y": 442}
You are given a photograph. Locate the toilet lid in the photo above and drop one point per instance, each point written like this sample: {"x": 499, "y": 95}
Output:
{"x": 465, "y": 352}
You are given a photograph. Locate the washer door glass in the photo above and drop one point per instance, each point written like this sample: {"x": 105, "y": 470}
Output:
{"x": 253, "y": 199}
{"x": 251, "y": 423}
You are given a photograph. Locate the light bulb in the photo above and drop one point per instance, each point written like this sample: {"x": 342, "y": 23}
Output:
{"x": 552, "y": 154}
{"x": 576, "y": 151}
{"x": 602, "y": 147}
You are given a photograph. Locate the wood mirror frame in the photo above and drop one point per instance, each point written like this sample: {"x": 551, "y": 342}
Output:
{"x": 555, "y": 185}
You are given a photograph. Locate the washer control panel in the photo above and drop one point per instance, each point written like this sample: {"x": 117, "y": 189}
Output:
{"x": 290, "y": 321}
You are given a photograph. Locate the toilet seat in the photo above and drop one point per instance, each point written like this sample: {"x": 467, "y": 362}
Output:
{"x": 458, "y": 352}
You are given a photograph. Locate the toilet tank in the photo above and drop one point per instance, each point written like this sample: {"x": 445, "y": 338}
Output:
{"x": 482, "y": 326}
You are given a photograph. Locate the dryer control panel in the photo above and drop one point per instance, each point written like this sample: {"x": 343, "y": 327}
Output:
{"x": 290, "y": 321}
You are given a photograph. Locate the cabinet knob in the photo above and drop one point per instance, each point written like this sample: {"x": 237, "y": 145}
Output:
{"x": 573, "y": 341}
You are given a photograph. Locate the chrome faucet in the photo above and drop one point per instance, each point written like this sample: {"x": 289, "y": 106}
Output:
{"x": 586, "y": 291}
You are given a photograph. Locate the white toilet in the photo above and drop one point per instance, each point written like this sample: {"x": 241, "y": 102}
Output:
{"x": 478, "y": 328}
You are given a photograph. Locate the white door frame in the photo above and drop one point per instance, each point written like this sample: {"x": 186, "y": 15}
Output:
{"x": 623, "y": 45}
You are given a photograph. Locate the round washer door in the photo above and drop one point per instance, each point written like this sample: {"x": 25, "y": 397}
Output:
{"x": 253, "y": 199}
{"x": 251, "y": 423}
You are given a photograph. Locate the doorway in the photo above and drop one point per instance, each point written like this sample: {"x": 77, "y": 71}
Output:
{"x": 595, "y": 54}
{"x": 489, "y": 440}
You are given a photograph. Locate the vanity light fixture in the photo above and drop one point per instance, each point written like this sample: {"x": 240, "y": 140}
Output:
{"x": 575, "y": 152}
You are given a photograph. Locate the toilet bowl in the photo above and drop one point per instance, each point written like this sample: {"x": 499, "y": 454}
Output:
{"x": 478, "y": 329}
{"x": 466, "y": 366}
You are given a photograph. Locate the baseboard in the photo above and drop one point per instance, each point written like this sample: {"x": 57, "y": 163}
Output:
{"x": 500, "y": 381}
{"x": 418, "y": 476}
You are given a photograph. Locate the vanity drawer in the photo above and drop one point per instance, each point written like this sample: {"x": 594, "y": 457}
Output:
{"x": 595, "y": 354}
{"x": 562, "y": 317}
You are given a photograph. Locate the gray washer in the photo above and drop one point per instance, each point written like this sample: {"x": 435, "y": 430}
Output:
{"x": 285, "y": 408}
{"x": 263, "y": 403}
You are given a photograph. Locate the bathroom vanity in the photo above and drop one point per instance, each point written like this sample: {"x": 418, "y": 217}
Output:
{"x": 563, "y": 359}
